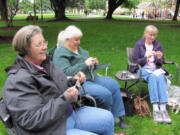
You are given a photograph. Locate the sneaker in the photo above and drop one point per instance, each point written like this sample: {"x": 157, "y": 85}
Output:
{"x": 121, "y": 124}
{"x": 157, "y": 117}
{"x": 166, "y": 118}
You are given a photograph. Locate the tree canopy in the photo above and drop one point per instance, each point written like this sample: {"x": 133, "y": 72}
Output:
{"x": 97, "y": 4}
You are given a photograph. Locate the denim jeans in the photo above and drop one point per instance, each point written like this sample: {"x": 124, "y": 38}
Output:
{"x": 107, "y": 92}
{"x": 90, "y": 121}
{"x": 156, "y": 86}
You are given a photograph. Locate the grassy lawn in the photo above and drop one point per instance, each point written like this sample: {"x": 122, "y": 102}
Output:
{"x": 107, "y": 40}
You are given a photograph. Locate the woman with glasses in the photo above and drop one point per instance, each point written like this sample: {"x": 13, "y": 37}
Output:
{"x": 38, "y": 98}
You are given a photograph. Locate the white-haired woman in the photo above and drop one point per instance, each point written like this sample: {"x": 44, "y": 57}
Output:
{"x": 148, "y": 52}
{"x": 38, "y": 98}
{"x": 71, "y": 58}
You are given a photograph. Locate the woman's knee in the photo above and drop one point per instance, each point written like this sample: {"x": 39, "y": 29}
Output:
{"x": 152, "y": 77}
{"x": 106, "y": 98}
{"x": 113, "y": 82}
{"x": 96, "y": 119}
{"x": 78, "y": 132}
{"x": 161, "y": 78}
{"x": 106, "y": 120}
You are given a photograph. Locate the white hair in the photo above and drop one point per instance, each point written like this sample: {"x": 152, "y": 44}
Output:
{"x": 70, "y": 32}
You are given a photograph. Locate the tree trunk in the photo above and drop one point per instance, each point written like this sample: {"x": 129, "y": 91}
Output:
{"x": 4, "y": 9}
{"x": 60, "y": 13}
{"x": 176, "y": 11}
{"x": 34, "y": 18}
{"x": 112, "y": 5}
{"x": 41, "y": 11}
{"x": 110, "y": 12}
{"x": 59, "y": 7}
{"x": 4, "y": 12}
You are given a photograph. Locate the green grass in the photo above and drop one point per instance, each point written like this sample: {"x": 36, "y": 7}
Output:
{"x": 107, "y": 40}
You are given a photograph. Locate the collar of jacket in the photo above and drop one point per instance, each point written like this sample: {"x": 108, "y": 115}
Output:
{"x": 154, "y": 43}
{"x": 69, "y": 51}
{"x": 20, "y": 62}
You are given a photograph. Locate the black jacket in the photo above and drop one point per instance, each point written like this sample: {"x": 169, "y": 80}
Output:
{"x": 34, "y": 98}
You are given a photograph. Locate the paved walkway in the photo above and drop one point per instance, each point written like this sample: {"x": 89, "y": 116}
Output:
{"x": 124, "y": 16}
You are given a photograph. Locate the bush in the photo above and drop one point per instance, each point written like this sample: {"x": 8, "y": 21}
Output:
{"x": 123, "y": 12}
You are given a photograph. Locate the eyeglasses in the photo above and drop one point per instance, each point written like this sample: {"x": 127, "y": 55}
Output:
{"x": 42, "y": 44}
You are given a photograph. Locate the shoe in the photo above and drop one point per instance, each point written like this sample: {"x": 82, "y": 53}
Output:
{"x": 121, "y": 124}
{"x": 157, "y": 117}
{"x": 166, "y": 118}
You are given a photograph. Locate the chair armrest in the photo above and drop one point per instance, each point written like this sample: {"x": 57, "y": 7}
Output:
{"x": 139, "y": 67}
{"x": 103, "y": 66}
{"x": 169, "y": 62}
{"x": 132, "y": 64}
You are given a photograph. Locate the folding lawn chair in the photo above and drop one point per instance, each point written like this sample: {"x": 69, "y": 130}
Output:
{"x": 130, "y": 64}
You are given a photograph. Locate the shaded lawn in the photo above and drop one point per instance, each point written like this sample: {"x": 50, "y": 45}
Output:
{"x": 108, "y": 40}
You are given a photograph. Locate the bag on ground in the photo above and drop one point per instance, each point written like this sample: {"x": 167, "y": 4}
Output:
{"x": 128, "y": 99}
{"x": 141, "y": 107}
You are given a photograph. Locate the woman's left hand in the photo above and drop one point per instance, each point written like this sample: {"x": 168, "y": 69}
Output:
{"x": 159, "y": 54}
{"x": 96, "y": 61}
{"x": 80, "y": 76}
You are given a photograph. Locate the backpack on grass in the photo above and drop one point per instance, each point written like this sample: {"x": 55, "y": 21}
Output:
{"x": 141, "y": 107}
{"x": 128, "y": 99}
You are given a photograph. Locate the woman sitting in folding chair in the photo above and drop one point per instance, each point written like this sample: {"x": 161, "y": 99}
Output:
{"x": 71, "y": 58}
{"x": 148, "y": 53}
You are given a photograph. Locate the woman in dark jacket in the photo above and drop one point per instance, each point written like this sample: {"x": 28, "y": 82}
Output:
{"x": 148, "y": 53}
{"x": 37, "y": 96}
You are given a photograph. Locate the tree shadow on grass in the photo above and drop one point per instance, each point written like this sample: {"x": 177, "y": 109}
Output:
{"x": 5, "y": 39}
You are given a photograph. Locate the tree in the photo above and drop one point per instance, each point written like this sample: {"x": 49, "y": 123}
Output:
{"x": 4, "y": 11}
{"x": 97, "y": 4}
{"x": 176, "y": 10}
{"x": 25, "y": 6}
{"x": 13, "y": 8}
{"x": 112, "y": 5}
{"x": 45, "y": 5}
{"x": 129, "y": 4}
{"x": 80, "y": 4}
{"x": 59, "y": 7}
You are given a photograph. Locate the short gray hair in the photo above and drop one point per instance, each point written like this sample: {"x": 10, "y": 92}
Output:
{"x": 21, "y": 40}
{"x": 70, "y": 32}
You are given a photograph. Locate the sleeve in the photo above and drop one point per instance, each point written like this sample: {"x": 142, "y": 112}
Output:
{"x": 28, "y": 107}
{"x": 159, "y": 62}
{"x": 64, "y": 63}
{"x": 137, "y": 58}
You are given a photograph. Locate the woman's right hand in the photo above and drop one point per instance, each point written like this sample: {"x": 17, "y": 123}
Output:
{"x": 91, "y": 61}
{"x": 152, "y": 53}
{"x": 71, "y": 94}
{"x": 80, "y": 76}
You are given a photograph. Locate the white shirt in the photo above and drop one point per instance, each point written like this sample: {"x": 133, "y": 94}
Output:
{"x": 150, "y": 64}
